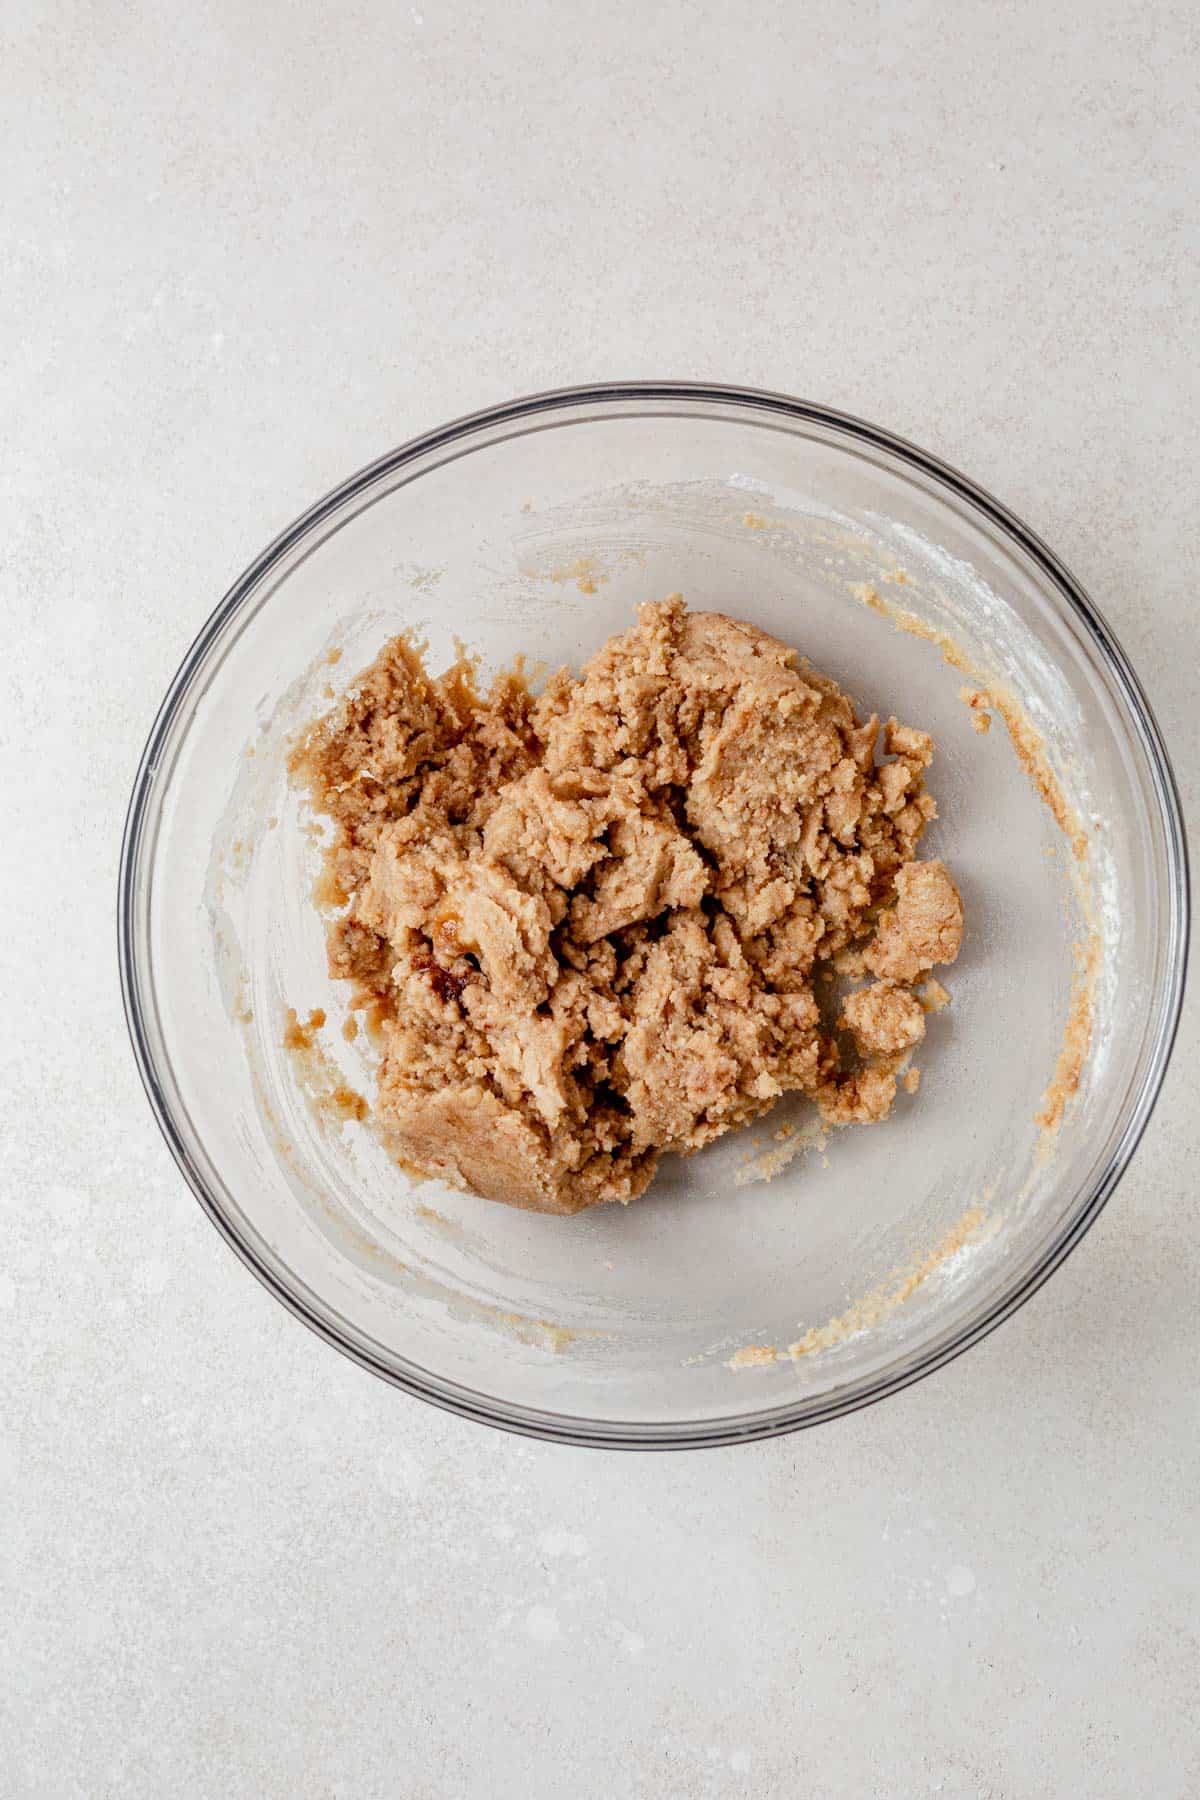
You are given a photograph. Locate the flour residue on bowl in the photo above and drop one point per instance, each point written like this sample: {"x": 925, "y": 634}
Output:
{"x": 583, "y": 572}
{"x": 1077, "y": 1038}
{"x": 971, "y": 1227}
{"x": 1027, "y": 742}
{"x": 984, "y": 696}
{"x": 788, "y": 1141}
{"x": 889, "y": 1296}
{"x": 330, "y": 1097}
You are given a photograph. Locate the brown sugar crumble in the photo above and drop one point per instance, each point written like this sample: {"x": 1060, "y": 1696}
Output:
{"x": 599, "y": 924}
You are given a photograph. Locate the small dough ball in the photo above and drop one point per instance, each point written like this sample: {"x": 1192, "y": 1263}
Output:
{"x": 924, "y": 927}
{"x": 885, "y": 1019}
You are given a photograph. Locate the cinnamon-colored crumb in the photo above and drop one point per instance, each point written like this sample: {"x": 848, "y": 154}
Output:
{"x": 346, "y": 1103}
{"x": 590, "y": 926}
{"x": 328, "y": 890}
{"x": 978, "y": 700}
{"x": 299, "y": 1036}
{"x": 753, "y": 1356}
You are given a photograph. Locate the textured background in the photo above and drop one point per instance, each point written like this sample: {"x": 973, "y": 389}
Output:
{"x": 245, "y": 249}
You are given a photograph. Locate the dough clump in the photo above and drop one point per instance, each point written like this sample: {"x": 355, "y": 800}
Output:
{"x": 602, "y": 923}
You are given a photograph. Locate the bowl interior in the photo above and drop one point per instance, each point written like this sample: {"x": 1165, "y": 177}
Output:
{"x": 886, "y": 1245}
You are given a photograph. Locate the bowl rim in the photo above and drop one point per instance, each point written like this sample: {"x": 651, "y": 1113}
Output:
{"x": 783, "y": 1418}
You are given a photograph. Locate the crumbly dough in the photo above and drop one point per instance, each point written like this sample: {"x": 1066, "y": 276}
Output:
{"x": 601, "y": 924}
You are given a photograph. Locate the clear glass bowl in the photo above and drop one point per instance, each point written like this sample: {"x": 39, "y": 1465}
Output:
{"x": 537, "y": 526}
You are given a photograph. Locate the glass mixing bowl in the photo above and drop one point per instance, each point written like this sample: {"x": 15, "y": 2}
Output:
{"x": 878, "y": 1254}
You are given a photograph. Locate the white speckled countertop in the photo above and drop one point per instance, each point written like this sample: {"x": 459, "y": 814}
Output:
{"x": 244, "y": 250}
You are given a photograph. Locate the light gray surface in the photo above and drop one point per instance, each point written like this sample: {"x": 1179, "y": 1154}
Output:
{"x": 245, "y": 249}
